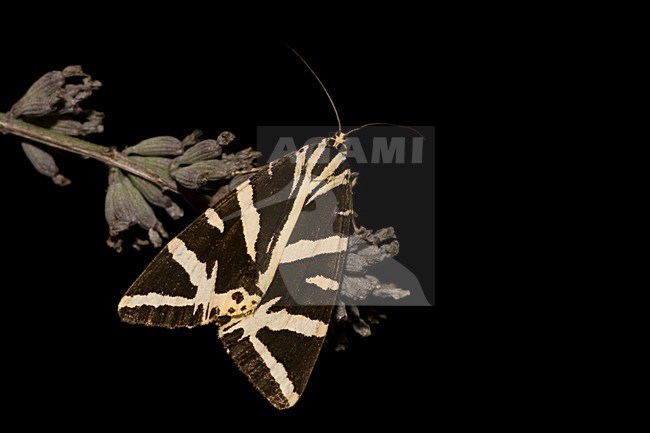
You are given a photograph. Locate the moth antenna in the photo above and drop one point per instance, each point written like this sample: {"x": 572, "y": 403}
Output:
{"x": 385, "y": 124}
{"x": 338, "y": 119}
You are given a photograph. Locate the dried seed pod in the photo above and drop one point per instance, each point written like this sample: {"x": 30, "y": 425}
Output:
{"x": 90, "y": 122}
{"x": 340, "y": 313}
{"x": 73, "y": 94}
{"x": 51, "y": 95}
{"x": 206, "y": 149}
{"x": 243, "y": 159}
{"x": 349, "y": 320}
{"x": 341, "y": 342}
{"x": 139, "y": 243}
{"x": 373, "y": 316}
{"x": 225, "y": 138}
{"x": 192, "y": 138}
{"x": 155, "y": 196}
{"x": 390, "y": 290}
{"x": 144, "y": 214}
{"x": 41, "y": 98}
{"x": 118, "y": 207}
{"x": 381, "y": 235}
{"x": 73, "y": 71}
{"x": 196, "y": 175}
{"x": 362, "y": 328}
{"x": 156, "y": 146}
{"x": 115, "y": 243}
{"x": 190, "y": 177}
{"x": 353, "y": 312}
{"x": 367, "y": 248}
{"x": 44, "y": 163}
{"x": 156, "y": 164}
{"x": 358, "y": 324}
{"x": 358, "y": 287}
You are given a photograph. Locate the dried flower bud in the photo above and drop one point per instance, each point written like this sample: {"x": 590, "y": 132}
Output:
{"x": 358, "y": 287}
{"x": 225, "y": 138}
{"x": 156, "y": 146}
{"x": 340, "y": 313}
{"x": 192, "y": 177}
{"x": 358, "y": 324}
{"x": 115, "y": 243}
{"x": 353, "y": 312}
{"x": 155, "y": 196}
{"x": 44, "y": 163}
{"x": 73, "y": 71}
{"x": 89, "y": 122}
{"x": 206, "y": 149}
{"x": 381, "y": 235}
{"x": 118, "y": 209}
{"x": 144, "y": 214}
{"x": 341, "y": 342}
{"x": 50, "y": 94}
{"x": 139, "y": 243}
{"x": 73, "y": 94}
{"x": 348, "y": 320}
{"x": 390, "y": 290}
{"x": 156, "y": 164}
{"x": 374, "y": 317}
{"x": 362, "y": 328}
{"x": 197, "y": 175}
{"x": 367, "y": 248}
{"x": 125, "y": 206}
{"x": 192, "y": 138}
{"x": 244, "y": 158}
{"x": 41, "y": 98}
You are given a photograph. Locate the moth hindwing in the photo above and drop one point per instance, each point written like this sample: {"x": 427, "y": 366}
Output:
{"x": 265, "y": 263}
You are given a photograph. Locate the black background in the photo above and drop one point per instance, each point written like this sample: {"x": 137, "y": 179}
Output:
{"x": 62, "y": 284}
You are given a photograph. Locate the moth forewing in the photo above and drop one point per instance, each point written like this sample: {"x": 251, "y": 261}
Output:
{"x": 265, "y": 263}
{"x": 211, "y": 268}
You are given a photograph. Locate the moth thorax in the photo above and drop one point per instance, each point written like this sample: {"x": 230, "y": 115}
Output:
{"x": 338, "y": 141}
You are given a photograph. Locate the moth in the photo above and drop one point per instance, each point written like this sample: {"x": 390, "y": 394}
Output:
{"x": 264, "y": 264}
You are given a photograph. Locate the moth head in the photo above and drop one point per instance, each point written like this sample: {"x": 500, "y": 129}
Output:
{"x": 338, "y": 140}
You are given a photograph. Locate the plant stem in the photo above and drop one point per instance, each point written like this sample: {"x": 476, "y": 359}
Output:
{"x": 109, "y": 156}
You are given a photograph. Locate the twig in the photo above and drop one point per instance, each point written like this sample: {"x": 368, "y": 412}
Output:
{"x": 109, "y": 156}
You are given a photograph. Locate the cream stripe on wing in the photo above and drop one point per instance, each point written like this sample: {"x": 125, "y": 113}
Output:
{"x": 198, "y": 275}
{"x": 341, "y": 179}
{"x": 323, "y": 282}
{"x": 197, "y": 271}
{"x": 305, "y": 248}
{"x": 154, "y": 300}
{"x": 250, "y": 218}
{"x": 300, "y": 161}
{"x": 265, "y": 278}
{"x": 277, "y": 370}
{"x": 331, "y": 167}
{"x": 214, "y": 219}
{"x": 276, "y": 321}
{"x": 205, "y": 296}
